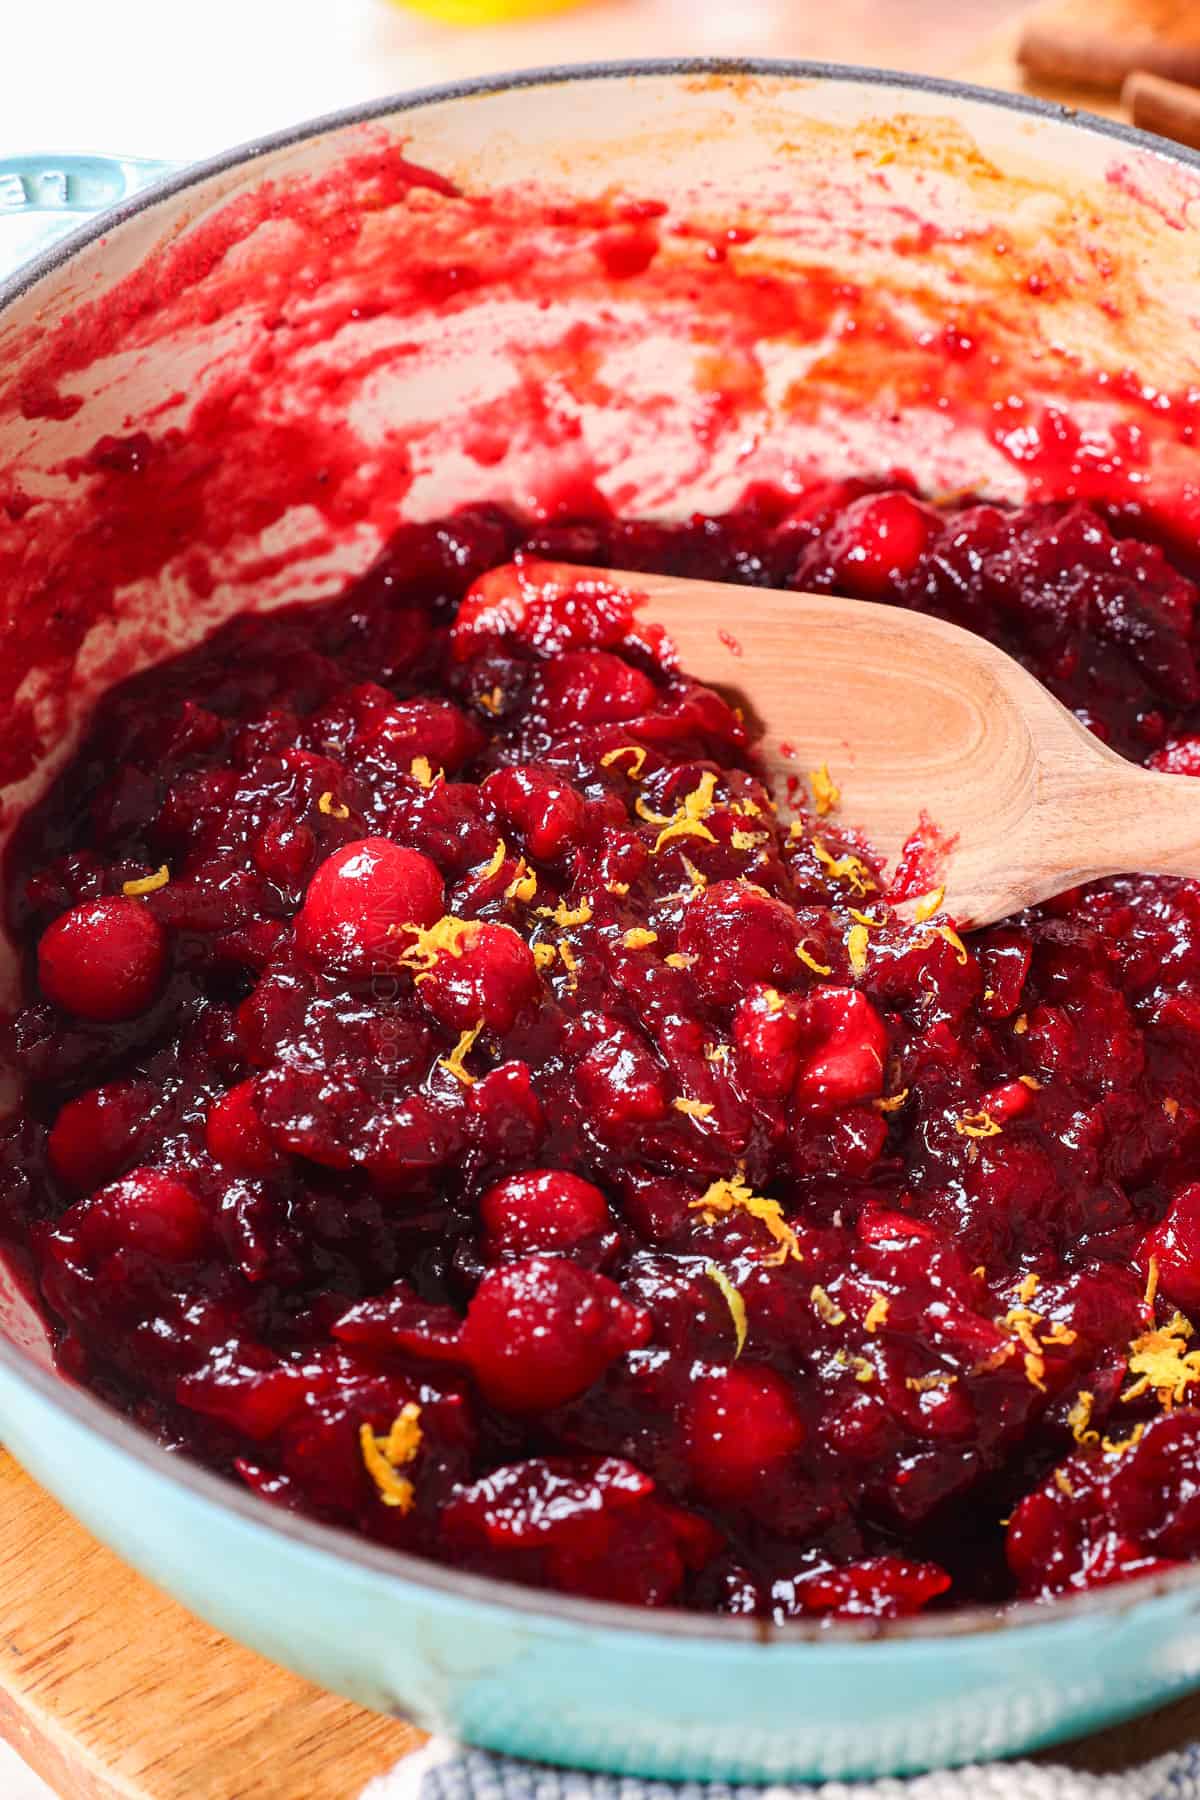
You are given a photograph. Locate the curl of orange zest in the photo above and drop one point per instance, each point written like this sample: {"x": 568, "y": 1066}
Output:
{"x": 384, "y": 1457}
{"x": 733, "y": 1196}
{"x": 146, "y": 884}
{"x": 735, "y": 1303}
{"x": 453, "y": 1063}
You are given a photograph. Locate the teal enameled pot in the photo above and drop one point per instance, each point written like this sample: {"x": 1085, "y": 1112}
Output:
{"x": 840, "y": 244}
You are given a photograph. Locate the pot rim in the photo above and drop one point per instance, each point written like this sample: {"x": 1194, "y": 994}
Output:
{"x": 562, "y": 1610}
{"x": 556, "y": 75}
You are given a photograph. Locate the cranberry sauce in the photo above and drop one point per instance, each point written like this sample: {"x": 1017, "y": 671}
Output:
{"x": 462, "y": 1108}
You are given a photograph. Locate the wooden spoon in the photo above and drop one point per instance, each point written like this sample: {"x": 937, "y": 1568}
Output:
{"x": 916, "y": 717}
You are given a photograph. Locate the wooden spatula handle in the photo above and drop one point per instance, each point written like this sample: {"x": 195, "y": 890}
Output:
{"x": 1151, "y": 821}
{"x": 942, "y": 747}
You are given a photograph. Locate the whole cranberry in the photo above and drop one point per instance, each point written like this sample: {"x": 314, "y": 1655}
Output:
{"x": 1175, "y": 1246}
{"x": 148, "y": 1211}
{"x": 542, "y": 1209}
{"x": 877, "y": 542}
{"x": 103, "y": 960}
{"x": 540, "y": 1331}
{"x": 741, "y": 1423}
{"x": 739, "y": 936}
{"x": 356, "y": 898}
{"x": 98, "y": 1132}
{"x": 488, "y": 974}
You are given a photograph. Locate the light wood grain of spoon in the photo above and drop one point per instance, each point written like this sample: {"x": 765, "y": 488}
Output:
{"x": 916, "y": 716}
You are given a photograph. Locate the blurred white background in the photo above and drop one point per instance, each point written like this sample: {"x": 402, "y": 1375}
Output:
{"x": 183, "y": 78}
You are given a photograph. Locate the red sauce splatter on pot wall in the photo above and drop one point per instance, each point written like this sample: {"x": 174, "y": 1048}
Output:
{"x": 294, "y": 302}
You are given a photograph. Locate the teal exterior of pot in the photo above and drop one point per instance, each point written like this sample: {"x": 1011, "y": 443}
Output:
{"x": 44, "y": 198}
{"x": 675, "y": 1698}
{"x": 563, "y": 1681}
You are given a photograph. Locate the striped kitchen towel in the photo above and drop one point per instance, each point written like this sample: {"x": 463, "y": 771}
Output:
{"x": 443, "y": 1770}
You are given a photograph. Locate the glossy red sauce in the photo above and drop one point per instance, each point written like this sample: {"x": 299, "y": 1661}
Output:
{"x": 488, "y": 1126}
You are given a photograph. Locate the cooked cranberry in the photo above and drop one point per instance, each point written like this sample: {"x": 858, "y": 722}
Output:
{"x": 1004, "y": 956}
{"x": 255, "y": 1402}
{"x": 484, "y": 972}
{"x": 434, "y": 729}
{"x": 741, "y": 1423}
{"x": 877, "y": 542}
{"x": 235, "y": 1135}
{"x": 538, "y": 1504}
{"x": 768, "y": 1032}
{"x": 588, "y": 1527}
{"x": 98, "y": 1133}
{"x": 506, "y": 1118}
{"x": 1174, "y": 1245}
{"x": 592, "y": 686}
{"x": 620, "y": 1082}
{"x": 882, "y": 1587}
{"x": 318, "y": 1113}
{"x": 847, "y": 1065}
{"x": 1108, "y": 1516}
{"x": 361, "y": 897}
{"x": 551, "y": 618}
{"x": 545, "y": 810}
{"x": 540, "y": 1331}
{"x": 421, "y": 1133}
{"x": 447, "y": 820}
{"x": 1155, "y": 1494}
{"x": 103, "y": 960}
{"x": 543, "y": 1209}
{"x": 1181, "y": 756}
{"x": 146, "y": 1210}
{"x": 739, "y": 935}
{"x": 284, "y": 850}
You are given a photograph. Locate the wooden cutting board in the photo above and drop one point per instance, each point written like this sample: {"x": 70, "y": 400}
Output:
{"x": 112, "y": 1691}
